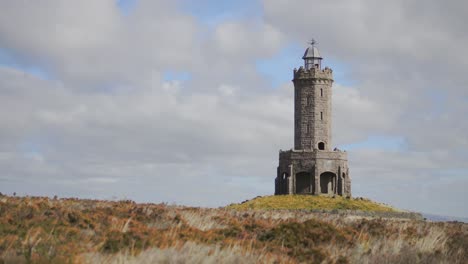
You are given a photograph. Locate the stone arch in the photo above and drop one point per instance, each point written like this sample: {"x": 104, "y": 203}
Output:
{"x": 304, "y": 183}
{"x": 321, "y": 145}
{"x": 327, "y": 182}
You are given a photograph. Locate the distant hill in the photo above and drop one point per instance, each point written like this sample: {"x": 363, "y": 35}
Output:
{"x": 44, "y": 230}
{"x": 443, "y": 218}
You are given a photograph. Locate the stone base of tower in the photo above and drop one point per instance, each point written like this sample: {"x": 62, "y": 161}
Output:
{"x": 315, "y": 172}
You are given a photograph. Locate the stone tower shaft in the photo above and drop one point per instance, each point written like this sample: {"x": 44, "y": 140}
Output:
{"x": 312, "y": 108}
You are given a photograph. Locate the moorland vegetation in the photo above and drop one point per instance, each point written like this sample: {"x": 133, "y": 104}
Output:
{"x": 45, "y": 230}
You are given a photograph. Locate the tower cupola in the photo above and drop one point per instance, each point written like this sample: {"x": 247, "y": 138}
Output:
{"x": 312, "y": 57}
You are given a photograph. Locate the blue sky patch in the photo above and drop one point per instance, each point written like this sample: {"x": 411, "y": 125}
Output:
{"x": 126, "y": 6}
{"x": 7, "y": 59}
{"x": 212, "y": 12}
{"x": 30, "y": 147}
{"x": 386, "y": 143}
{"x": 341, "y": 72}
{"x": 438, "y": 99}
{"x": 177, "y": 76}
{"x": 279, "y": 69}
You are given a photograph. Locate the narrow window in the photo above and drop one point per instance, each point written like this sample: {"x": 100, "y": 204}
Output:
{"x": 321, "y": 146}
{"x": 321, "y": 92}
{"x": 321, "y": 115}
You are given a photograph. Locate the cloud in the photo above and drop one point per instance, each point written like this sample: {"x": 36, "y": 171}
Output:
{"x": 422, "y": 181}
{"x": 91, "y": 42}
{"x": 353, "y": 113}
{"x": 160, "y": 136}
{"x": 264, "y": 40}
{"x": 107, "y": 123}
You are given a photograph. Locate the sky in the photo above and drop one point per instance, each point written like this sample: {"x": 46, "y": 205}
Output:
{"x": 189, "y": 102}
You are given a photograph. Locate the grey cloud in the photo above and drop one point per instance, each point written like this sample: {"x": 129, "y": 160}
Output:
{"x": 90, "y": 42}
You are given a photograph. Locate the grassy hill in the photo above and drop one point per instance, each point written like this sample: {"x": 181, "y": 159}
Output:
{"x": 309, "y": 202}
{"x": 44, "y": 230}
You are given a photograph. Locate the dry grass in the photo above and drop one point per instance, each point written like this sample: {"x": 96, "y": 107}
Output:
{"x": 189, "y": 252}
{"x": 42, "y": 230}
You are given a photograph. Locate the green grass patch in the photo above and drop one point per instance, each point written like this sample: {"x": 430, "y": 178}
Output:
{"x": 310, "y": 202}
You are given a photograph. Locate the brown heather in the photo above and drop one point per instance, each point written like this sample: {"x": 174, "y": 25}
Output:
{"x": 43, "y": 230}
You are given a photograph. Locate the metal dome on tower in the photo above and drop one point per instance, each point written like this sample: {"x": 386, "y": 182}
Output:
{"x": 312, "y": 57}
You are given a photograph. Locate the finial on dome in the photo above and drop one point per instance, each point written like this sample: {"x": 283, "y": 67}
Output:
{"x": 312, "y": 42}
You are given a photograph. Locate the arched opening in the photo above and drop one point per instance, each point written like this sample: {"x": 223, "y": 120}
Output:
{"x": 304, "y": 183}
{"x": 327, "y": 182}
{"x": 321, "y": 92}
{"x": 321, "y": 146}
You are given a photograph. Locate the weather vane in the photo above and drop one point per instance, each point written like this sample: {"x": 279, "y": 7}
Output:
{"x": 313, "y": 42}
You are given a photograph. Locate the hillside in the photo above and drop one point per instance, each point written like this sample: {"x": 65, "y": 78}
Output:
{"x": 309, "y": 202}
{"x": 43, "y": 230}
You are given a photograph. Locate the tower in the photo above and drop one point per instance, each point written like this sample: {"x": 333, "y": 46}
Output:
{"x": 312, "y": 103}
{"x": 312, "y": 167}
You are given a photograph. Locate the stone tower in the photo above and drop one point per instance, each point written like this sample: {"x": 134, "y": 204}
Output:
{"x": 312, "y": 167}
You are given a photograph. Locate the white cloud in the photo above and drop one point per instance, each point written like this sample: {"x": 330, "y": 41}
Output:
{"x": 89, "y": 42}
{"x": 354, "y": 114}
{"x": 149, "y": 134}
{"x": 247, "y": 40}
